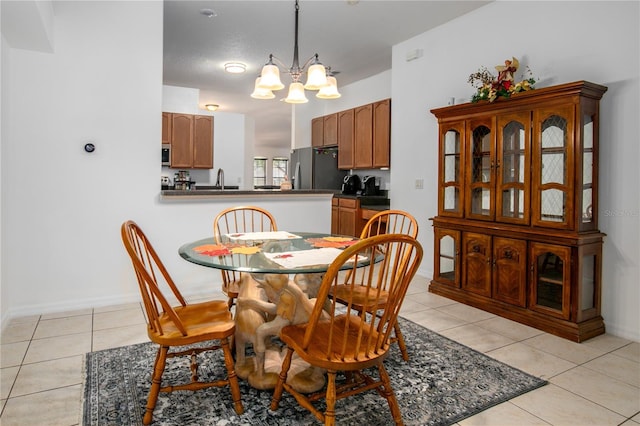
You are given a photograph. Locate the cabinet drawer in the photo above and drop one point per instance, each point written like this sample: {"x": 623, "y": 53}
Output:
{"x": 334, "y": 201}
{"x": 368, "y": 214}
{"x": 349, "y": 203}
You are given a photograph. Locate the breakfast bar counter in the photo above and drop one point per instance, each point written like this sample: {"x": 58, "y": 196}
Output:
{"x": 256, "y": 194}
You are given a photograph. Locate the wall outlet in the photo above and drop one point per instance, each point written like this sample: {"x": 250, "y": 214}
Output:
{"x": 419, "y": 184}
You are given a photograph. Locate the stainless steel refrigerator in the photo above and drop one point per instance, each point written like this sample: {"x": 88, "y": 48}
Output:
{"x": 315, "y": 168}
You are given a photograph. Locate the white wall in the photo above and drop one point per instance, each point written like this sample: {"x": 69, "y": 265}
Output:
{"x": 561, "y": 42}
{"x": 61, "y": 207}
{"x": 4, "y": 82}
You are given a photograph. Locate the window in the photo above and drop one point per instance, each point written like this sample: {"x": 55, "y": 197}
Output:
{"x": 279, "y": 169}
{"x": 259, "y": 171}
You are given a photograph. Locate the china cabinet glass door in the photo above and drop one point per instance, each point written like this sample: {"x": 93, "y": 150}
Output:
{"x": 553, "y": 167}
{"x": 451, "y": 162}
{"x": 480, "y": 171}
{"x": 512, "y": 202}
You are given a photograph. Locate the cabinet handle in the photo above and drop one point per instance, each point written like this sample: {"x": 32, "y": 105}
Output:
{"x": 508, "y": 254}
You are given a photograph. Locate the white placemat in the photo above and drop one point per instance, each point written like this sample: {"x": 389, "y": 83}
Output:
{"x": 274, "y": 235}
{"x": 301, "y": 258}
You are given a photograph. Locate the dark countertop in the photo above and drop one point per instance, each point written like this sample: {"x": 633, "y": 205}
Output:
{"x": 226, "y": 193}
{"x": 369, "y": 202}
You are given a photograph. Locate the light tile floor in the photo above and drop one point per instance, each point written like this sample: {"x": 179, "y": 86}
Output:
{"x": 593, "y": 383}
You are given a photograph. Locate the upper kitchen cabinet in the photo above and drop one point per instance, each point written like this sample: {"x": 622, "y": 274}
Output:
{"x": 191, "y": 138}
{"x": 166, "y": 128}
{"x": 324, "y": 131}
{"x": 317, "y": 132}
{"x": 363, "y": 140}
{"x": 382, "y": 133}
{"x": 345, "y": 140}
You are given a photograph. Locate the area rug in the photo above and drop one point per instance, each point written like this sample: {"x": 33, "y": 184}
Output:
{"x": 443, "y": 383}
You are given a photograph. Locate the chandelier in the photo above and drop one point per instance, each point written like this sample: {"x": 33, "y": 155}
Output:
{"x": 319, "y": 77}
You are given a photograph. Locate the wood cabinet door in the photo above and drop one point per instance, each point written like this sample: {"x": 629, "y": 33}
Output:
{"x": 451, "y": 193}
{"x": 348, "y": 222}
{"x": 363, "y": 139}
{"x": 330, "y": 130}
{"x": 480, "y": 178}
{"x": 510, "y": 271}
{"x": 203, "y": 142}
{"x": 550, "y": 281}
{"x": 553, "y": 167}
{"x": 382, "y": 133}
{"x": 335, "y": 220}
{"x": 166, "y": 127}
{"x": 181, "y": 141}
{"x": 447, "y": 257}
{"x": 345, "y": 140}
{"x": 476, "y": 263}
{"x": 513, "y": 168}
{"x": 317, "y": 131}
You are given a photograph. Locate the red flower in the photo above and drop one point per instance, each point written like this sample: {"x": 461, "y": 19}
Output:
{"x": 506, "y": 84}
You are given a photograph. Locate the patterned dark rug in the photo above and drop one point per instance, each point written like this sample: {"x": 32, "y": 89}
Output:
{"x": 444, "y": 382}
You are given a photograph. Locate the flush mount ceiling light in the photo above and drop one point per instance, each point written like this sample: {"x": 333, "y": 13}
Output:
{"x": 235, "y": 67}
{"x": 319, "y": 77}
{"x": 212, "y": 107}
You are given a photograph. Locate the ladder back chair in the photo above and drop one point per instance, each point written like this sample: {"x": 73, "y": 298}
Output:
{"x": 347, "y": 338}
{"x": 239, "y": 220}
{"x": 178, "y": 326}
{"x": 384, "y": 222}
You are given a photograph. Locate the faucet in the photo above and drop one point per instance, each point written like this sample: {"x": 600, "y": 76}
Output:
{"x": 220, "y": 179}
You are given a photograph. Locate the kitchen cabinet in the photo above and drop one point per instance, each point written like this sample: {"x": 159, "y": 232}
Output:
{"x": 203, "y": 142}
{"x": 317, "y": 132}
{"x": 382, "y": 134}
{"x": 324, "y": 130}
{"x": 166, "y": 128}
{"x": 516, "y": 232}
{"x": 363, "y": 137}
{"x": 345, "y": 140}
{"x": 346, "y": 218}
{"x": 191, "y": 141}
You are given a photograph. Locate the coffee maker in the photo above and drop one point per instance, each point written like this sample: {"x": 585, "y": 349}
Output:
{"x": 351, "y": 184}
{"x": 369, "y": 186}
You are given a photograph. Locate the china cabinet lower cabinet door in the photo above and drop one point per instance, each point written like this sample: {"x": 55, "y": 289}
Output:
{"x": 510, "y": 271}
{"x": 476, "y": 263}
{"x": 550, "y": 285}
{"x": 447, "y": 255}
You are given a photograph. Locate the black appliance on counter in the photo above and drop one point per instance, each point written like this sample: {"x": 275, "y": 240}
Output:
{"x": 351, "y": 184}
{"x": 315, "y": 168}
{"x": 369, "y": 186}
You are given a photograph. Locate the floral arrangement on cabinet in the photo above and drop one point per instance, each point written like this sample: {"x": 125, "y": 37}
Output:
{"x": 490, "y": 88}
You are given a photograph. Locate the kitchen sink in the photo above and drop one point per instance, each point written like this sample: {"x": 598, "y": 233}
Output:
{"x": 216, "y": 188}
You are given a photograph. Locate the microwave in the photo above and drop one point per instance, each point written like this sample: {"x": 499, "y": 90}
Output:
{"x": 166, "y": 154}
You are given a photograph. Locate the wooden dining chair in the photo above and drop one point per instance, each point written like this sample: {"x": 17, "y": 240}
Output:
{"x": 239, "y": 220}
{"x": 346, "y": 337}
{"x": 389, "y": 222}
{"x": 183, "y": 325}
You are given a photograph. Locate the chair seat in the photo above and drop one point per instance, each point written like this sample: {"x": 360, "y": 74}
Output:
{"x": 349, "y": 358}
{"x": 359, "y": 296}
{"x": 202, "y": 321}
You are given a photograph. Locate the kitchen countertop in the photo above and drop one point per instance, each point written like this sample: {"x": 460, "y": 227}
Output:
{"x": 173, "y": 194}
{"x": 371, "y": 202}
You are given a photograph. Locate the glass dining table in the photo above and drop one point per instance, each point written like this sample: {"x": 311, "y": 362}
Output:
{"x": 280, "y": 274}
{"x": 278, "y": 252}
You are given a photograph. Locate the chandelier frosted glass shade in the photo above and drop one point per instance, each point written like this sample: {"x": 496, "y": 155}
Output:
{"x": 316, "y": 77}
{"x": 330, "y": 91}
{"x": 296, "y": 94}
{"x": 260, "y": 93}
{"x": 270, "y": 78}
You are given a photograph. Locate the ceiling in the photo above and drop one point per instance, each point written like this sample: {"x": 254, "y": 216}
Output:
{"x": 354, "y": 37}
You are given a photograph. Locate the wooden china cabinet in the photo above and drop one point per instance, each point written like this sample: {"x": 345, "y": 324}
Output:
{"x": 517, "y": 227}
